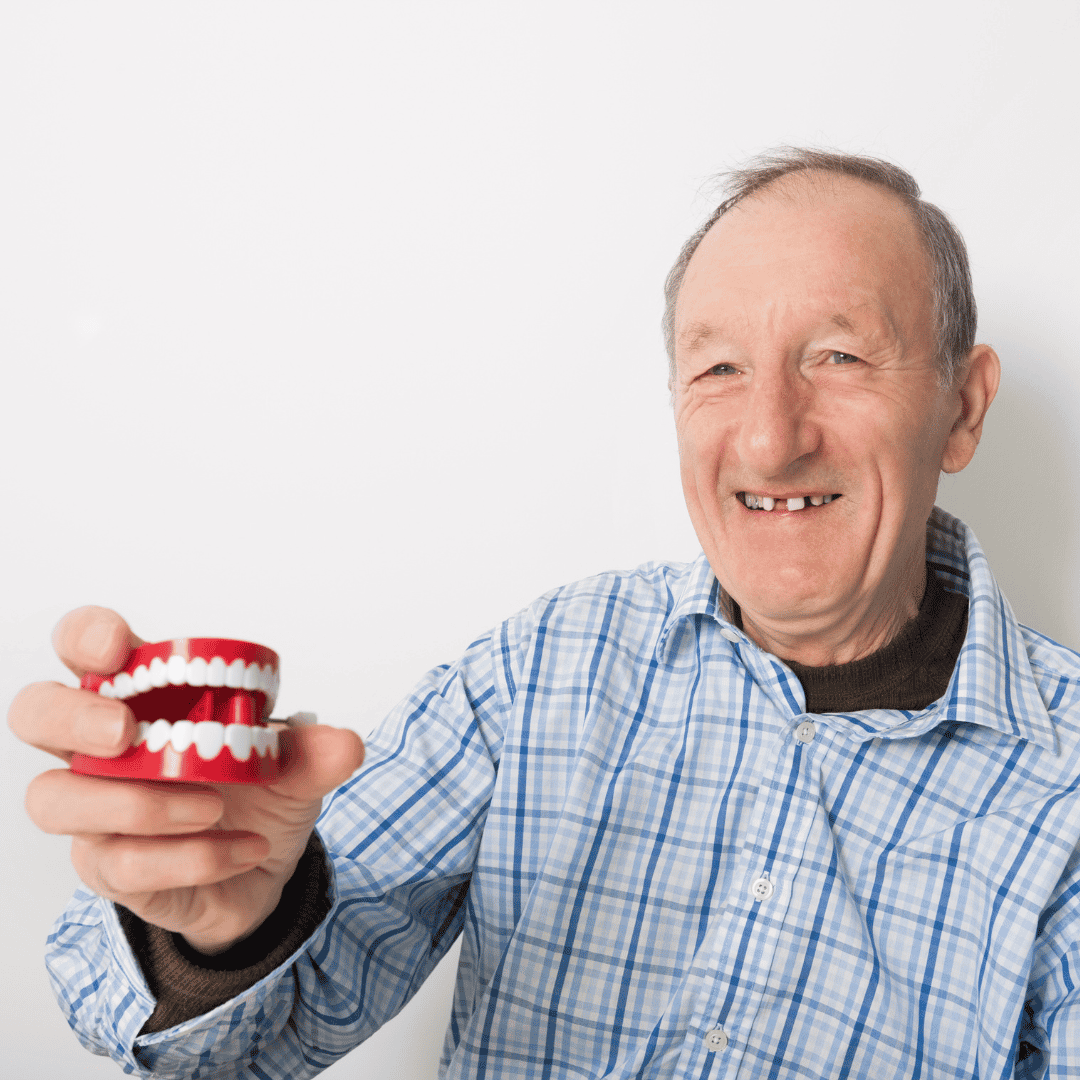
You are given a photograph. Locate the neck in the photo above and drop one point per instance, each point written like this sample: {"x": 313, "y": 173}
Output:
{"x": 828, "y": 640}
{"x": 913, "y": 670}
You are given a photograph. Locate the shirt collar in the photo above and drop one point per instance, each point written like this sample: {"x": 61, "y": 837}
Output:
{"x": 992, "y": 684}
{"x": 700, "y": 594}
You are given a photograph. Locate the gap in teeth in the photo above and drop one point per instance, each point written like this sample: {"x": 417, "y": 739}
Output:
{"x": 209, "y": 738}
{"x": 766, "y": 502}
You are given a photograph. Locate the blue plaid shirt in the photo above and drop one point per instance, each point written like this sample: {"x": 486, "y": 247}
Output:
{"x": 661, "y": 866}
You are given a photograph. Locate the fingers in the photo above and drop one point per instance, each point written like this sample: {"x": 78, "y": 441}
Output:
{"x": 317, "y": 759}
{"x": 64, "y": 802}
{"x": 63, "y": 721}
{"x": 119, "y": 867}
{"x": 93, "y": 639}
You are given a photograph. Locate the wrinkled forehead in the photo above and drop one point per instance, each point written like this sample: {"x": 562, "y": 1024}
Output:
{"x": 813, "y": 239}
{"x": 836, "y": 213}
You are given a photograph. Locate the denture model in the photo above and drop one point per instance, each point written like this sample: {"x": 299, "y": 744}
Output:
{"x": 201, "y": 705}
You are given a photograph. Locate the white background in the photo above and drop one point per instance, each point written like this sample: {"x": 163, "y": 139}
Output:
{"x": 335, "y": 326}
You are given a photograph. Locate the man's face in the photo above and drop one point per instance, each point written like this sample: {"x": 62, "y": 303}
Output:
{"x": 806, "y": 371}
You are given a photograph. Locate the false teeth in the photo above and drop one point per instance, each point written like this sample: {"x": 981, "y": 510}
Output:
{"x": 195, "y": 672}
{"x": 209, "y": 737}
{"x": 183, "y": 735}
{"x": 158, "y": 735}
{"x": 238, "y": 740}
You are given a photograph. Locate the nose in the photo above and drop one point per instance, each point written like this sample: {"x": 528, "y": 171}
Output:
{"x": 775, "y": 426}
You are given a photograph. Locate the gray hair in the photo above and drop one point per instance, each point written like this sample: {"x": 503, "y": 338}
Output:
{"x": 953, "y": 297}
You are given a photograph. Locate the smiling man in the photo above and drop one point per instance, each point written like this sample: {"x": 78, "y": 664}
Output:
{"x": 812, "y": 419}
{"x": 806, "y": 807}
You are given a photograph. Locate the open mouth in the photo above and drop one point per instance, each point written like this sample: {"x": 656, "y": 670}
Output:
{"x": 768, "y": 503}
{"x": 201, "y": 706}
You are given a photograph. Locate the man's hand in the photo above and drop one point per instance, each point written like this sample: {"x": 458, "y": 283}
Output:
{"x": 207, "y": 861}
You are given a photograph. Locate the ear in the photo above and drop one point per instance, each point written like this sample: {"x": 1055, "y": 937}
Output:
{"x": 979, "y": 387}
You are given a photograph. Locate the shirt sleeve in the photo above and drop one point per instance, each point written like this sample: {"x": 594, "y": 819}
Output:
{"x": 401, "y": 839}
{"x": 1049, "y": 1035}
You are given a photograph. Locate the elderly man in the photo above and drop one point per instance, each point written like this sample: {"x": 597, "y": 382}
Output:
{"x": 807, "y": 807}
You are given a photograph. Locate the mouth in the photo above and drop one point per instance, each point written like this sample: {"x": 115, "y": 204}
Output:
{"x": 201, "y": 706}
{"x": 792, "y": 503}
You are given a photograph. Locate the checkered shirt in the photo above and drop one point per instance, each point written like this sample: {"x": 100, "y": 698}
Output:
{"x": 660, "y": 866}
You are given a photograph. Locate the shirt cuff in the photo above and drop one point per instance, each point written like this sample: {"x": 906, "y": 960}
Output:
{"x": 186, "y": 983}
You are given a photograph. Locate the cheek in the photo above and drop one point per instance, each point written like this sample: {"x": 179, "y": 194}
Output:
{"x": 923, "y": 453}
{"x": 700, "y": 441}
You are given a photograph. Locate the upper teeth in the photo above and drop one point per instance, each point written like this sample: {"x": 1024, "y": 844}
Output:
{"x": 765, "y": 502}
{"x": 178, "y": 671}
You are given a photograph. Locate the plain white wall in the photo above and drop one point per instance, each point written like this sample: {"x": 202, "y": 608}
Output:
{"x": 335, "y": 326}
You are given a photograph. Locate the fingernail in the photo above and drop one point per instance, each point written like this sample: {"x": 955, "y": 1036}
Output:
{"x": 248, "y": 851}
{"x": 99, "y": 640}
{"x": 101, "y": 729}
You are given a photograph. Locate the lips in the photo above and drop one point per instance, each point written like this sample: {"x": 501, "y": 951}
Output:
{"x": 201, "y": 706}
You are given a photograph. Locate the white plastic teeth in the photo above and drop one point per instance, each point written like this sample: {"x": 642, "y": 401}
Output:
{"x": 764, "y": 502}
{"x": 209, "y": 737}
{"x": 198, "y": 672}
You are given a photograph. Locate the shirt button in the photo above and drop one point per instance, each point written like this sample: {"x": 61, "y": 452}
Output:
{"x": 731, "y": 635}
{"x": 762, "y": 888}
{"x": 716, "y": 1039}
{"x": 805, "y": 732}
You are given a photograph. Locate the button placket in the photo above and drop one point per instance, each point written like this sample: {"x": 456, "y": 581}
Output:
{"x": 758, "y": 910}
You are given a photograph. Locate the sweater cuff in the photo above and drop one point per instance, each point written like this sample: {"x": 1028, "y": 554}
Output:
{"x": 187, "y": 983}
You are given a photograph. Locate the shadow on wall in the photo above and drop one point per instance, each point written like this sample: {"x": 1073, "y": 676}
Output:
{"x": 1020, "y": 496}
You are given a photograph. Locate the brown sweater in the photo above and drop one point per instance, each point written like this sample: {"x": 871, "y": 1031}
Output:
{"x": 910, "y": 672}
{"x": 187, "y": 983}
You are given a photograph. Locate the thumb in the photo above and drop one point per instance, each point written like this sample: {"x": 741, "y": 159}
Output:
{"x": 316, "y": 760}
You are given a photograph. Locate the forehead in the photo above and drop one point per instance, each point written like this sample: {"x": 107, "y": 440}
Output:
{"x": 830, "y": 246}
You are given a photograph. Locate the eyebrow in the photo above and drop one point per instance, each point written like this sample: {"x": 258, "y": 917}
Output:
{"x": 696, "y": 335}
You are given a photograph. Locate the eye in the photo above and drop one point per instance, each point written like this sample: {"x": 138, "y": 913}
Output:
{"x": 843, "y": 358}
{"x": 722, "y": 369}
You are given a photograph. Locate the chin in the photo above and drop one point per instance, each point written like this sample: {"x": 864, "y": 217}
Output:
{"x": 791, "y": 595}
